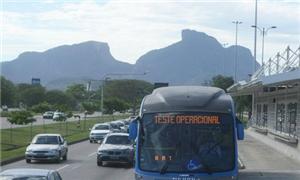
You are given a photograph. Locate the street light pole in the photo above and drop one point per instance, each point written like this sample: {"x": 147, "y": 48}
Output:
{"x": 235, "y": 56}
{"x": 255, "y": 37}
{"x": 263, "y": 31}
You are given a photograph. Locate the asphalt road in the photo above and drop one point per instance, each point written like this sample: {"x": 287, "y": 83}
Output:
{"x": 262, "y": 163}
{"x": 81, "y": 165}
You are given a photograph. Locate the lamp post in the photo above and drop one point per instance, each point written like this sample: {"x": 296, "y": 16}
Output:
{"x": 263, "y": 31}
{"x": 235, "y": 56}
{"x": 107, "y": 76}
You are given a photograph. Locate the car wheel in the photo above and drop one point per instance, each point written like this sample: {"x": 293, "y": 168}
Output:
{"x": 91, "y": 141}
{"x": 65, "y": 157}
{"x": 28, "y": 160}
{"x": 100, "y": 163}
{"x": 58, "y": 158}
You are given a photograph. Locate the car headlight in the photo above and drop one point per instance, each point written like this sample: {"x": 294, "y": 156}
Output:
{"x": 91, "y": 134}
{"x": 102, "y": 152}
{"x": 28, "y": 151}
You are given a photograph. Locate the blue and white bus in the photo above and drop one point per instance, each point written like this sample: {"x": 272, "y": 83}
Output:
{"x": 186, "y": 133}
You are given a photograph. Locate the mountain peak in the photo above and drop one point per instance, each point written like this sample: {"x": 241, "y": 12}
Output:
{"x": 188, "y": 34}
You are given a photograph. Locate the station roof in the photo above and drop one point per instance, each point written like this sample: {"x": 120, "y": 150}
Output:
{"x": 285, "y": 78}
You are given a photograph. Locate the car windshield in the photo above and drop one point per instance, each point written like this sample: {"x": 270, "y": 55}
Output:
{"x": 9, "y": 177}
{"x": 102, "y": 127}
{"x": 46, "y": 140}
{"x": 118, "y": 140}
{"x": 203, "y": 142}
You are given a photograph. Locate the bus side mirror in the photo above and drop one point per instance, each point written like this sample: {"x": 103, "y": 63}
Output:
{"x": 133, "y": 127}
{"x": 240, "y": 129}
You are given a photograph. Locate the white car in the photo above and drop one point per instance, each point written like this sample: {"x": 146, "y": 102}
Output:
{"x": 59, "y": 116}
{"x": 99, "y": 131}
{"x": 47, "y": 147}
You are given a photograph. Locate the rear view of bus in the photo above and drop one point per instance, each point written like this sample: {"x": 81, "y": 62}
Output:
{"x": 186, "y": 133}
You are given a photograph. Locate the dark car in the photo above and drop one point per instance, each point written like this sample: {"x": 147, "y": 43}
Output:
{"x": 29, "y": 174}
{"x": 116, "y": 148}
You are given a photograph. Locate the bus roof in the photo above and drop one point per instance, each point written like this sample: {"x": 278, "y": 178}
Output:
{"x": 187, "y": 98}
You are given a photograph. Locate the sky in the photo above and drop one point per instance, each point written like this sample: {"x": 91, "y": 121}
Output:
{"x": 134, "y": 27}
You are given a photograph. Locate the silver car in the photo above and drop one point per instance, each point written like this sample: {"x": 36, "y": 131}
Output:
{"x": 47, "y": 147}
{"x": 116, "y": 147}
{"x": 27, "y": 173}
{"x": 99, "y": 131}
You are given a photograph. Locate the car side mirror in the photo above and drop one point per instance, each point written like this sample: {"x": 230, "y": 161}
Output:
{"x": 90, "y": 129}
{"x": 240, "y": 129}
{"x": 133, "y": 128}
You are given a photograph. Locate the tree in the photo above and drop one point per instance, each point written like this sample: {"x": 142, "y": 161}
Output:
{"x": 222, "y": 82}
{"x": 114, "y": 104}
{"x": 77, "y": 91}
{"x": 42, "y": 107}
{"x": 30, "y": 94}
{"x": 90, "y": 107}
{"x": 8, "y": 92}
{"x": 60, "y": 100}
{"x": 129, "y": 91}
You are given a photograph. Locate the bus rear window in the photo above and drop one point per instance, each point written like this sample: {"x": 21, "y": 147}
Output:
{"x": 187, "y": 142}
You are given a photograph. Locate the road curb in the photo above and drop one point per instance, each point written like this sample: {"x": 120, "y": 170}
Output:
{"x": 8, "y": 161}
{"x": 241, "y": 164}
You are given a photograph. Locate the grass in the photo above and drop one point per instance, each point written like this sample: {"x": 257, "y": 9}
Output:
{"x": 14, "y": 141}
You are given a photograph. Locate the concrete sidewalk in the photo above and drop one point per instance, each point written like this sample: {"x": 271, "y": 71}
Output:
{"x": 291, "y": 152}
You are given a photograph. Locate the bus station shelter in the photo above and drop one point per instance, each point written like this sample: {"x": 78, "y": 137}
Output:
{"x": 275, "y": 91}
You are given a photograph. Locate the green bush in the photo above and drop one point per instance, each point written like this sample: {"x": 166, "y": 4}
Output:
{"x": 42, "y": 107}
{"x": 20, "y": 117}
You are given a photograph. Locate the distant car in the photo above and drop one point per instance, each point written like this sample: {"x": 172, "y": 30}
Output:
{"x": 115, "y": 127}
{"x": 4, "y": 108}
{"x": 59, "y": 116}
{"x": 47, "y": 147}
{"x": 122, "y": 126}
{"x": 30, "y": 174}
{"x": 99, "y": 131}
{"x": 48, "y": 115}
{"x": 116, "y": 147}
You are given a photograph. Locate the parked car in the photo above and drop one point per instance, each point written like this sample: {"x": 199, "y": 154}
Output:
{"x": 99, "y": 131}
{"x": 48, "y": 115}
{"x": 59, "y": 116}
{"x": 30, "y": 174}
{"x": 47, "y": 147}
{"x": 116, "y": 147}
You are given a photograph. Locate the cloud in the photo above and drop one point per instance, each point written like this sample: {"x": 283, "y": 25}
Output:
{"x": 133, "y": 28}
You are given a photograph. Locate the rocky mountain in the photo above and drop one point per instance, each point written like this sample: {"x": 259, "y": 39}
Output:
{"x": 65, "y": 64}
{"x": 196, "y": 58}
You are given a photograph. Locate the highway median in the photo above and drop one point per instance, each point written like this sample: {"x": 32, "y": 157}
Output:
{"x": 15, "y": 140}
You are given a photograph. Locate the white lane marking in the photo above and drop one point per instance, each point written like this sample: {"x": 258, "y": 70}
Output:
{"x": 62, "y": 167}
{"x": 92, "y": 154}
{"x": 76, "y": 167}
